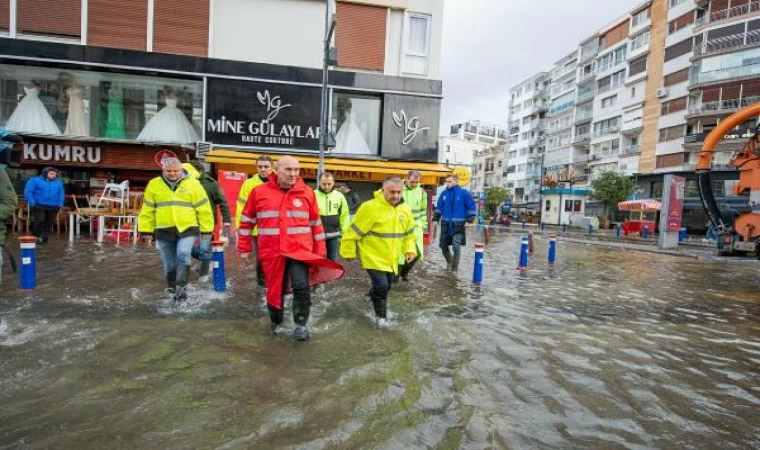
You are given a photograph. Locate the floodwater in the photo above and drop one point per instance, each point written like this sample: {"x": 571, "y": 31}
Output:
{"x": 609, "y": 350}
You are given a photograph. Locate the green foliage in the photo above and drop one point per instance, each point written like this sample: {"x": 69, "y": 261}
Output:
{"x": 496, "y": 195}
{"x": 611, "y": 188}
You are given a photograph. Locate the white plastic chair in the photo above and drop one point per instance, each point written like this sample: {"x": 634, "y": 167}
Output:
{"x": 115, "y": 193}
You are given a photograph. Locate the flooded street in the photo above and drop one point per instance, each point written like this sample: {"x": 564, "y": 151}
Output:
{"x": 609, "y": 350}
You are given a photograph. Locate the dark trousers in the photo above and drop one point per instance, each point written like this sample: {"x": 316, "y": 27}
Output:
{"x": 452, "y": 235}
{"x": 43, "y": 218}
{"x": 406, "y": 267}
{"x": 332, "y": 244}
{"x": 298, "y": 274}
{"x": 381, "y": 285}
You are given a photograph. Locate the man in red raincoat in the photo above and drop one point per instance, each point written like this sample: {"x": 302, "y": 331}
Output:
{"x": 291, "y": 243}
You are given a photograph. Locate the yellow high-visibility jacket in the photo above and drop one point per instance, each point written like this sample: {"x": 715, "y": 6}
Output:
{"x": 185, "y": 207}
{"x": 333, "y": 210}
{"x": 245, "y": 191}
{"x": 417, "y": 200}
{"x": 382, "y": 232}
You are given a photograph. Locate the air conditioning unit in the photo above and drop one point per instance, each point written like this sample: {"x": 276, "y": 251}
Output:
{"x": 663, "y": 92}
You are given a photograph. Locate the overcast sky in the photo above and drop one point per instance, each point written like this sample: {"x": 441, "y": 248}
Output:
{"x": 492, "y": 45}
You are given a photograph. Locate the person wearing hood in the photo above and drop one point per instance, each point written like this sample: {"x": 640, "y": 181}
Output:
{"x": 455, "y": 207}
{"x": 382, "y": 229}
{"x": 202, "y": 251}
{"x": 291, "y": 243}
{"x": 44, "y": 195}
{"x": 176, "y": 210}
{"x": 333, "y": 210}
{"x": 264, "y": 168}
{"x": 8, "y": 197}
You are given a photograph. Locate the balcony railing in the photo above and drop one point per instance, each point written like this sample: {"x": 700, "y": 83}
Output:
{"x": 581, "y": 138}
{"x": 630, "y": 150}
{"x": 736, "y": 11}
{"x": 725, "y": 74}
{"x": 589, "y": 52}
{"x": 585, "y": 95}
{"x": 581, "y": 115}
{"x": 586, "y": 76}
{"x": 728, "y": 42}
{"x": 723, "y": 105}
{"x": 580, "y": 158}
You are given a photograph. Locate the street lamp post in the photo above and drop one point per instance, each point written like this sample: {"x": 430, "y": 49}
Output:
{"x": 541, "y": 190}
{"x": 329, "y": 58}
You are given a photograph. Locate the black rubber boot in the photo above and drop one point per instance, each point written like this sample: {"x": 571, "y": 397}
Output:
{"x": 203, "y": 271}
{"x": 180, "y": 294}
{"x": 454, "y": 264}
{"x": 301, "y": 310}
{"x": 171, "y": 282}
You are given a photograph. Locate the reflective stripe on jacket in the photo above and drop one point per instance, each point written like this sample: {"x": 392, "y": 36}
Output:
{"x": 333, "y": 209}
{"x": 455, "y": 205}
{"x": 417, "y": 200}
{"x": 382, "y": 232}
{"x": 185, "y": 207}
{"x": 245, "y": 191}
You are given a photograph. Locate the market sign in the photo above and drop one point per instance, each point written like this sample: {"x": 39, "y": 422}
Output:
{"x": 258, "y": 114}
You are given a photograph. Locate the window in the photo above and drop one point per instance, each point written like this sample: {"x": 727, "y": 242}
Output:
{"x": 637, "y": 66}
{"x": 608, "y": 126}
{"x": 609, "y": 101}
{"x": 674, "y": 3}
{"x": 617, "y": 79}
{"x": 612, "y": 59}
{"x": 676, "y": 77}
{"x": 633, "y": 92}
{"x": 500, "y": 163}
{"x": 671, "y": 133}
{"x": 568, "y": 205}
{"x": 642, "y": 40}
{"x": 417, "y": 45}
{"x": 672, "y": 106}
{"x": 640, "y": 17}
{"x": 681, "y": 22}
{"x": 679, "y": 49}
{"x": 656, "y": 189}
{"x": 357, "y": 119}
{"x": 112, "y": 105}
{"x": 548, "y": 205}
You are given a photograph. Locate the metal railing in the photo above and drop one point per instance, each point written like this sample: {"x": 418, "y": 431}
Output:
{"x": 630, "y": 150}
{"x": 581, "y": 138}
{"x": 585, "y": 95}
{"x": 581, "y": 115}
{"x": 580, "y": 158}
{"x": 723, "y": 105}
{"x": 736, "y": 11}
{"x": 586, "y": 76}
{"x": 725, "y": 74}
{"x": 728, "y": 42}
{"x": 606, "y": 131}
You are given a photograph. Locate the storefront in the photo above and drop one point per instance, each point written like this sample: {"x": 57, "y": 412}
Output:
{"x": 86, "y": 166}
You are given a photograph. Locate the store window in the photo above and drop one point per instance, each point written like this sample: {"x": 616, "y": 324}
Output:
{"x": 38, "y": 100}
{"x": 356, "y": 121}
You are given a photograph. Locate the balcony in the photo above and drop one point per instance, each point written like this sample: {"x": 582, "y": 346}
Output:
{"x": 748, "y": 70}
{"x": 586, "y": 77}
{"x": 535, "y": 157}
{"x": 533, "y": 173}
{"x": 581, "y": 139}
{"x": 606, "y": 131}
{"x": 588, "y": 53}
{"x": 580, "y": 159}
{"x": 631, "y": 150}
{"x": 723, "y": 106}
{"x": 514, "y": 130}
{"x": 734, "y": 41}
{"x": 585, "y": 95}
{"x": 730, "y": 13}
{"x": 583, "y": 115}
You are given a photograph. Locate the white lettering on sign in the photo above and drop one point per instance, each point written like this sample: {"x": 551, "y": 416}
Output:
{"x": 410, "y": 126}
{"x": 61, "y": 153}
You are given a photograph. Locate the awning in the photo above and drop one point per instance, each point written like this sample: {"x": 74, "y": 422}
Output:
{"x": 630, "y": 205}
{"x": 349, "y": 169}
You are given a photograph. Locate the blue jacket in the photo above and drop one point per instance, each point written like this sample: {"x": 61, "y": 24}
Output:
{"x": 40, "y": 191}
{"x": 455, "y": 204}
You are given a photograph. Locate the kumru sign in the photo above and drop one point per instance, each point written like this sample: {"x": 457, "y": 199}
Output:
{"x": 61, "y": 153}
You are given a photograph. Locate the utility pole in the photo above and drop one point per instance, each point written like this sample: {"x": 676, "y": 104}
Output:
{"x": 541, "y": 190}
{"x": 329, "y": 58}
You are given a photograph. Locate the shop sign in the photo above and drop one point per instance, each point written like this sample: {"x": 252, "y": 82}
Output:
{"x": 257, "y": 114}
{"x": 410, "y": 127}
{"x": 58, "y": 153}
{"x": 341, "y": 175}
{"x": 464, "y": 174}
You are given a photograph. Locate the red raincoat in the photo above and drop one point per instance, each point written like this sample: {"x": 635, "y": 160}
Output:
{"x": 288, "y": 227}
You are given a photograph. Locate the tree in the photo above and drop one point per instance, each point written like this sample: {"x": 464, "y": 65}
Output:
{"x": 611, "y": 188}
{"x": 495, "y": 196}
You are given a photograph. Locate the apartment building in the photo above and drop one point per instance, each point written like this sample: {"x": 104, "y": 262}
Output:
{"x": 478, "y": 146}
{"x": 528, "y": 107}
{"x": 227, "y": 80}
{"x": 648, "y": 88}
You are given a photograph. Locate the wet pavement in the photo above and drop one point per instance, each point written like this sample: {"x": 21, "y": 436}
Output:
{"x": 610, "y": 349}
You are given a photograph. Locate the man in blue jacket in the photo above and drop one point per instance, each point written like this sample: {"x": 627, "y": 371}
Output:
{"x": 44, "y": 195}
{"x": 455, "y": 206}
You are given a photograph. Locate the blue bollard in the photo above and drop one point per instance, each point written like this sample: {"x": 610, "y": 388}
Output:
{"x": 477, "y": 273}
{"x": 590, "y": 228}
{"x": 220, "y": 281}
{"x": 552, "y": 249}
{"x": 523, "y": 254}
{"x": 617, "y": 230}
{"x": 681, "y": 235}
{"x": 28, "y": 278}
{"x": 645, "y": 234}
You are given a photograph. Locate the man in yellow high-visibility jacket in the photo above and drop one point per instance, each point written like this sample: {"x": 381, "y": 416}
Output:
{"x": 416, "y": 199}
{"x": 383, "y": 228}
{"x": 176, "y": 210}
{"x": 264, "y": 168}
